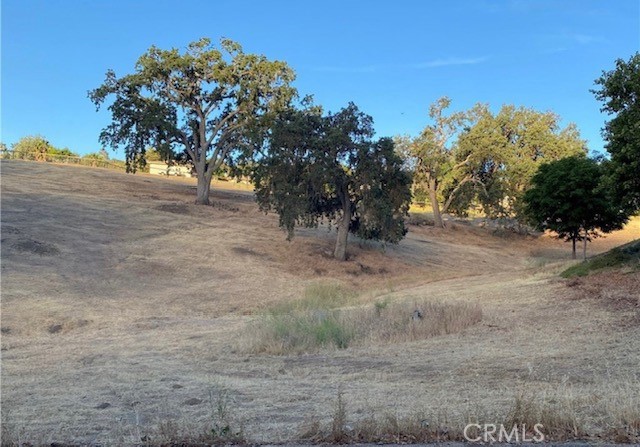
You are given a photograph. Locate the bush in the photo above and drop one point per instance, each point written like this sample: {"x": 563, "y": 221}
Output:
{"x": 421, "y": 219}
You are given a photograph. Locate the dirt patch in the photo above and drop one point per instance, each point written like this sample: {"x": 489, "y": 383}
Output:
{"x": 244, "y": 251}
{"x": 66, "y": 326}
{"x": 616, "y": 291}
{"x": 36, "y": 247}
{"x": 225, "y": 206}
{"x": 175, "y": 208}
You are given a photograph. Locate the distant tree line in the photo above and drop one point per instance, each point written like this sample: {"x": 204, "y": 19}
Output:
{"x": 38, "y": 148}
{"x": 476, "y": 156}
{"x": 219, "y": 106}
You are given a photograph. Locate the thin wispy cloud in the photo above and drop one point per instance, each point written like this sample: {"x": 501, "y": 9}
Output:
{"x": 435, "y": 63}
{"x": 451, "y": 61}
{"x": 565, "y": 39}
{"x": 335, "y": 69}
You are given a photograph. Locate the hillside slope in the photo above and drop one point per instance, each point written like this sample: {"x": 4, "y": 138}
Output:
{"x": 123, "y": 306}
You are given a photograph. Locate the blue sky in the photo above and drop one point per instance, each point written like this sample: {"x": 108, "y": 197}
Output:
{"x": 392, "y": 58}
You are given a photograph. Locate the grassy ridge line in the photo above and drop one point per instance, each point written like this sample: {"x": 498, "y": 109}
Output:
{"x": 627, "y": 255}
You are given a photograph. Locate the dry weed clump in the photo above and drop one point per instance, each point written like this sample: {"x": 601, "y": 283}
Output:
{"x": 386, "y": 428}
{"x": 320, "y": 320}
{"x": 563, "y": 414}
{"x": 611, "y": 411}
{"x": 617, "y": 410}
{"x": 222, "y": 427}
{"x": 556, "y": 411}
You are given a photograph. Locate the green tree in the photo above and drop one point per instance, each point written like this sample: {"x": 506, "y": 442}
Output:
{"x": 94, "y": 156}
{"x": 620, "y": 92}
{"x": 327, "y": 168}
{"x": 36, "y": 147}
{"x": 439, "y": 169}
{"x": 203, "y": 101}
{"x": 506, "y": 150}
{"x": 153, "y": 155}
{"x": 32, "y": 147}
{"x": 567, "y": 197}
{"x": 64, "y": 152}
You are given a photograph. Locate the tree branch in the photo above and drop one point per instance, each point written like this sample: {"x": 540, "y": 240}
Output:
{"x": 185, "y": 141}
{"x": 221, "y": 124}
{"x": 453, "y": 193}
{"x": 462, "y": 163}
{"x": 222, "y": 149}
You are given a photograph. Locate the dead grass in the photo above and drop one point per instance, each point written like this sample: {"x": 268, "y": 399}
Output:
{"x": 559, "y": 413}
{"x": 139, "y": 311}
{"x": 618, "y": 291}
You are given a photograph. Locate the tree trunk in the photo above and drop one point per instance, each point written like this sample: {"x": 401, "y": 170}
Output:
{"x": 585, "y": 248}
{"x": 573, "y": 254}
{"x": 437, "y": 217}
{"x": 340, "y": 252}
{"x": 202, "y": 190}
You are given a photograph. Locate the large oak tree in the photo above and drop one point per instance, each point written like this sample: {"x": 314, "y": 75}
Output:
{"x": 440, "y": 170}
{"x": 328, "y": 168}
{"x": 203, "y": 101}
{"x": 478, "y": 155}
{"x": 507, "y": 148}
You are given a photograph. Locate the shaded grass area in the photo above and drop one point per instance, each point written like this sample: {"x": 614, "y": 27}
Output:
{"x": 627, "y": 255}
{"x": 320, "y": 321}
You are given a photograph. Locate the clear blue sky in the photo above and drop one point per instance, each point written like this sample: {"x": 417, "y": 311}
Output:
{"x": 392, "y": 58}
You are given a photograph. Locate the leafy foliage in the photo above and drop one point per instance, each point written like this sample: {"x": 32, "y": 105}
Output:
{"x": 506, "y": 150}
{"x": 620, "y": 92}
{"x": 204, "y": 102}
{"x": 567, "y": 197}
{"x": 327, "y": 168}
{"x": 474, "y": 155}
{"x": 36, "y": 146}
{"x": 440, "y": 171}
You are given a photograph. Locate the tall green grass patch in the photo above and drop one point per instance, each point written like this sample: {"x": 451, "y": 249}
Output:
{"x": 320, "y": 321}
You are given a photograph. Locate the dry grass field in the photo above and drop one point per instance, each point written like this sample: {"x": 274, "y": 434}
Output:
{"x": 130, "y": 314}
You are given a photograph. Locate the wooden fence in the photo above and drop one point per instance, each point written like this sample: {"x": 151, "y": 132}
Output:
{"x": 64, "y": 159}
